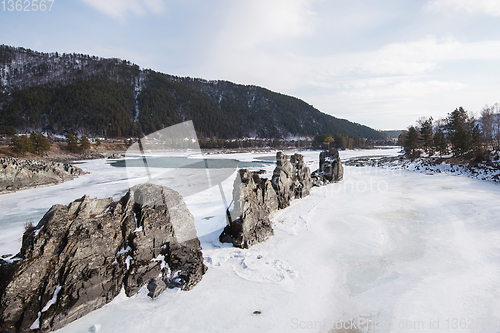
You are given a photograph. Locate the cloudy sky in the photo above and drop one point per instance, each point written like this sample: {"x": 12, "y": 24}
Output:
{"x": 383, "y": 63}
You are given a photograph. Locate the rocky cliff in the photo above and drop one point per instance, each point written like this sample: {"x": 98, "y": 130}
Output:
{"x": 19, "y": 174}
{"x": 80, "y": 256}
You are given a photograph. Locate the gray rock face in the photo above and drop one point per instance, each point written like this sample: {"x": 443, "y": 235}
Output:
{"x": 303, "y": 180}
{"x": 291, "y": 178}
{"x": 330, "y": 168}
{"x": 254, "y": 203}
{"x": 256, "y": 200}
{"x": 79, "y": 256}
{"x": 19, "y": 174}
{"x": 284, "y": 180}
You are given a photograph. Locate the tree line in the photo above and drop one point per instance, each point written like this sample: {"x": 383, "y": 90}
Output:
{"x": 37, "y": 143}
{"x": 460, "y": 133}
{"x": 340, "y": 141}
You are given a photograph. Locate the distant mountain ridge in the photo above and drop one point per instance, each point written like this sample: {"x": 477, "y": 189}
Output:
{"x": 78, "y": 93}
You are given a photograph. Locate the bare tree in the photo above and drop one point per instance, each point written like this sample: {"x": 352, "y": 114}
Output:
{"x": 496, "y": 125}
{"x": 487, "y": 125}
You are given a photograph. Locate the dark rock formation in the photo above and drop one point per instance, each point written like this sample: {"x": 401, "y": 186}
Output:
{"x": 330, "y": 168}
{"x": 254, "y": 203}
{"x": 284, "y": 180}
{"x": 19, "y": 174}
{"x": 291, "y": 179}
{"x": 303, "y": 181}
{"x": 80, "y": 256}
{"x": 256, "y": 199}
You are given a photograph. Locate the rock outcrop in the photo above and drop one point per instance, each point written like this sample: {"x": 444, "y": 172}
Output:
{"x": 284, "y": 180}
{"x": 303, "y": 180}
{"x": 19, "y": 174}
{"x": 80, "y": 256}
{"x": 254, "y": 204}
{"x": 330, "y": 168}
{"x": 255, "y": 200}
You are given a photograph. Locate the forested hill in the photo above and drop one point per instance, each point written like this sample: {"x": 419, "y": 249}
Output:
{"x": 77, "y": 93}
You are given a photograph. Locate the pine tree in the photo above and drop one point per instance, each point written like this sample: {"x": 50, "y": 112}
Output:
{"x": 426, "y": 134}
{"x": 411, "y": 141}
{"x": 40, "y": 142}
{"x": 84, "y": 143}
{"x": 459, "y": 131}
{"x": 21, "y": 145}
{"x": 477, "y": 141}
{"x": 440, "y": 142}
{"x": 72, "y": 143}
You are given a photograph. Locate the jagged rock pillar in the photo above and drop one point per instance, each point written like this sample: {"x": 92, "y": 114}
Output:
{"x": 254, "y": 203}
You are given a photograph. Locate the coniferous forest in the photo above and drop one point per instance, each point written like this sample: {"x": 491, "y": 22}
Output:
{"x": 88, "y": 95}
{"x": 460, "y": 133}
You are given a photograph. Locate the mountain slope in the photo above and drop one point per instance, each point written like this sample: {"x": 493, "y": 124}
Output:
{"x": 112, "y": 97}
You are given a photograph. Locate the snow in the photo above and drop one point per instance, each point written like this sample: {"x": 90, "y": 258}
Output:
{"x": 36, "y": 323}
{"x": 127, "y": 261}
{"x": 163, "y": 264}
{"x": 393, "y": 249}
{"x": 123, "y": 251}
{"x": 53, "y": 300}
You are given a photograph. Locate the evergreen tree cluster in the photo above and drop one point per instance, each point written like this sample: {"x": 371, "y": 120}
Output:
{"x": 461, "y": 133}
{"x": 35, "y": 143}
{"x": 96, "y": 106}
{"x": 339, "y": 141}
{"x": 75, "y": 145}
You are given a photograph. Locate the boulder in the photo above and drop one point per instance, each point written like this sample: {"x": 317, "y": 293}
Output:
{"x": 330, "y": 168}
{"x": 254, "y": 203}
{"x": 80, "y": 256}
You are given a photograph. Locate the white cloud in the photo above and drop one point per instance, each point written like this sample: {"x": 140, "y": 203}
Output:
{"x": 406, "y": 89}
{"x": 119, "y": 9}
{"x": 287, "y": 72}
{"x": 412, "y": 58}
{"x": 248, "y": 23}
{"x": 489, "y": 7}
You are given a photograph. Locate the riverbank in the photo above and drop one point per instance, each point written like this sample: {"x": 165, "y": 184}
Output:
{"x": 20, "y": 174}
{"x": 59, "y": 153}
{"x": 432, "y": 165}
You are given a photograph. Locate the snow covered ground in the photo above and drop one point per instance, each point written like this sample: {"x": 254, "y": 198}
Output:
{"x": 402, "y": 251}
{"x": 430, "y": 165}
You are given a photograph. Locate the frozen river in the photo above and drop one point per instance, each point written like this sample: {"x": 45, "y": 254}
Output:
{"x": 382, "y": 251}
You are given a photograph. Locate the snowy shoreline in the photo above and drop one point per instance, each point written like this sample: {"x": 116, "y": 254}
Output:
{"x": 429, "y": 166}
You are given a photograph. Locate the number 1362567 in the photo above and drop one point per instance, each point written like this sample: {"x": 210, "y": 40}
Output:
{"x": 26, "y": 5}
